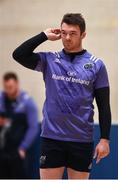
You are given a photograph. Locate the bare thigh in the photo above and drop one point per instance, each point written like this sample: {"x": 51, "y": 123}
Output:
{"x": 72, "y": 174}
{"x": 51, "y": 173}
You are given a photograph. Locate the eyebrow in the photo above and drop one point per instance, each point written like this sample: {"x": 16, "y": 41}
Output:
{"x": 70, "y": 31}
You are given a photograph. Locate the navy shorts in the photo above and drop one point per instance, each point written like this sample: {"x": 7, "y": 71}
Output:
{"x": 75, "y": 155}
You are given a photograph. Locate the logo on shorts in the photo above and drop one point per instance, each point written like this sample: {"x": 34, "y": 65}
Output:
{"x": 88, "y": 66}
{"x": 90, "y": 166}
{"x": 42, "y": 159}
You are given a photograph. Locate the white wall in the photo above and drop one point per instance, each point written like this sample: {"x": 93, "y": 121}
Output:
{"x": 19, "y": 20}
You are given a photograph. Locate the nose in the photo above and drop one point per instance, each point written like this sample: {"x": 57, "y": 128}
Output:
{"x": 67, "y": 37}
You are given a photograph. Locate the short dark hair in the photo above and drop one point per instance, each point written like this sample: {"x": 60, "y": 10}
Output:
{"x": 10, "y": 75}
{"x": 75, "y": 19}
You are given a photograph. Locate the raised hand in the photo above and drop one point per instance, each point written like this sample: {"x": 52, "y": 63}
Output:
{"x": 53, "y": 34}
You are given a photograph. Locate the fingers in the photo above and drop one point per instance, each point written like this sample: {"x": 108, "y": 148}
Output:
{"x": 97, "y": 155}
{"x": 100, "y": 156}
{"x": 56, "y": 31}
{"x": 100, "y": 152}
{"x": 58, "y": 36}
{"x": 53, "y": 34}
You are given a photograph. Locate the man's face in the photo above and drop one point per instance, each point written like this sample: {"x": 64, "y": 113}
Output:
{"x": 71, "y": 37}
{"x": 11, "y": 87}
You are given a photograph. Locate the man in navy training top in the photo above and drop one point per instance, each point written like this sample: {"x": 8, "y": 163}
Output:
{"x": 19, "y": 128}
{"x": 73, "y": 78}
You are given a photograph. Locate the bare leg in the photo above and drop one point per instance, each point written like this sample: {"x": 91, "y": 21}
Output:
{"x": 72, "y": 174}
{"x": 52, "y": 173}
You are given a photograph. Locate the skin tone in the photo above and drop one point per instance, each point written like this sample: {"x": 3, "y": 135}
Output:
{"x": 11, "y": 88}
{"x": 72, "y": 41}
{"x": 3, "y": 121}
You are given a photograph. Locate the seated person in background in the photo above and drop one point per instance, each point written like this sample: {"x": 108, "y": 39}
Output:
{"x": 18, "y": 128}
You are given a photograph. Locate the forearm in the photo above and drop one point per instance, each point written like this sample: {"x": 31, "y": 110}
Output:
{"x": 24, "y": 53}
{"x": 32, "y": 124}
{"x": 103, "y": 103}
{"x": 29, "y": 138}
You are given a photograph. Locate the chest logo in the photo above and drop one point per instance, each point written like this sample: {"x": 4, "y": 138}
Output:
{"x": 88, "y": 66}
{"x": 71, "y": 73}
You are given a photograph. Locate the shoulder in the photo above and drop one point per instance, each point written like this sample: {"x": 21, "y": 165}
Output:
{"x": 50, "y": 56}
{"x": 27, "y": 99}
{"x": 97, "y": 62}
{"x": 1, "y": 95}
{"x": 46, "y": 54}
{"x": 24, "y": 95}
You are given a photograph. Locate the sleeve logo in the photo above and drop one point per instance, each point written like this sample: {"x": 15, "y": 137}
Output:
{"x": 88, "y": 66}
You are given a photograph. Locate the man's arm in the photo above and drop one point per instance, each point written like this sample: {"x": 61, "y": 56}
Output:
{"x": 33, "y": 125}
{"x": 24, "y": 53}
{"x": 102, "y": 96}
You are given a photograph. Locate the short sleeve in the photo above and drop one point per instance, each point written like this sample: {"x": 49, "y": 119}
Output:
{"x": 41, "y": 65}
{"x": 102, "y": 78}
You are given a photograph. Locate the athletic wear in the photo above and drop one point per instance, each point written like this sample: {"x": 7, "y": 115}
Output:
{"x": 25, "y": 55}
{"x": 68, "y": 109}
{"x": 71, "y": 85}
{"x": 13, "y": 167}
{"x": 23, "y": 122}
{"x": 104, "y": 111}
{"x": 75, "y": 155}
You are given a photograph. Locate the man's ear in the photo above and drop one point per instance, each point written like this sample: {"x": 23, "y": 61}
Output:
{"x": 83, "y": 35}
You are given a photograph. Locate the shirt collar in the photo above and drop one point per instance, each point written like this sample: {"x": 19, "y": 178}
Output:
{"x": 70, "y": 56}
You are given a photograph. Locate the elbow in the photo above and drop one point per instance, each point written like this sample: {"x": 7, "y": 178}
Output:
{"x": 19, "y": 57}
{"x": 15, "y": 55}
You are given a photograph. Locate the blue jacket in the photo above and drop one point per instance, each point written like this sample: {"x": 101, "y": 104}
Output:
{"x": 23, "y": 119}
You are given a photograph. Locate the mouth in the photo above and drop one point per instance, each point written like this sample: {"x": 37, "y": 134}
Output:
{"x": 68, "y": 43}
